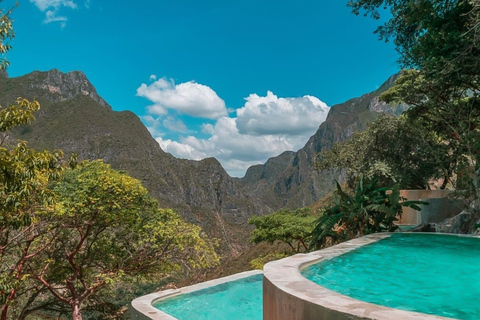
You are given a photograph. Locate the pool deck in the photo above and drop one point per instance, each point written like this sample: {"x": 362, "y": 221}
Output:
{"x": 142, "y": 308}
{"x": 287, "y": 295}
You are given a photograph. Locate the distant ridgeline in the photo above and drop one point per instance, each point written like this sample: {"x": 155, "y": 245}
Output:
{"x": 74, "y": 118}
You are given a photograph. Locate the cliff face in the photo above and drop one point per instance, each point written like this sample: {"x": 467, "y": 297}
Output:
{"x": 297, "y": 184}
{"x": 74, "y": 118}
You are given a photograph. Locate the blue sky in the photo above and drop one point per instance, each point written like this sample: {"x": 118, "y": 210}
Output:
{"x": 238, "y": 80}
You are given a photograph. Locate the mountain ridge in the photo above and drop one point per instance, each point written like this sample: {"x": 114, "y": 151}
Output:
{"x": 75, "y": 118}
{"x": 299, "y": 184}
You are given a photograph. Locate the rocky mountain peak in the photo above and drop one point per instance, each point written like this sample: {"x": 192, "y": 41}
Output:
{"x": 59, "y": 86}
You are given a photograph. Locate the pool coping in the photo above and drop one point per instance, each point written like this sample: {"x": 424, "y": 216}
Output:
{"x": 142, "y": 307}
{"x": 289, "y": 295}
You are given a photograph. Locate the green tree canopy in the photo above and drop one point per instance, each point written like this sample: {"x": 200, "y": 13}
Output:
{"x": 292, "y": 227}
{"x": 454, "y": 122}
{"x": 25, "y": 203}
{"x": 438, "y": 42}
{"x": 434, "y": 36}
{"x": 6, "y": 34}
{"x": 395, "y": 150}
{"x": 110, "y": 229}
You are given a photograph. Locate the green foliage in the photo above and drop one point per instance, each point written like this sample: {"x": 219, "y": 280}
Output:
{"x": 395, "y": 150}
{"x": 111, "y": 230}
{"x": 25, "y": 202}
{"x": 454, "y": 121}
{"x": 433, "y": 36}
{"x": 6, "y": 34}
{"x": 287, "y": 226}
{"x": 259, "y": 262}
{"x": 370, "y": 209}
{"x": 440, "y": 40}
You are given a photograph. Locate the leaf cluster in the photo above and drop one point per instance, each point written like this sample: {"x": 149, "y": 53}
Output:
{"x": 439, "y": 39}
{"x": 292, "y": 227}
{"x": 111, "y": 230}
{"x": 434, "y": 36}
{"x": 395, "y": 150}
{"x": 6, "y": 34}
{"x": 370, "y": 209}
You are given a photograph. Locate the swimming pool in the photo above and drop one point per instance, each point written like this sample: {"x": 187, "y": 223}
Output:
{"x": 235, "y": 300}
{"x": 428, "y": 273}
{"x": 236, "y": 297}
{"x": 288, "y": 295}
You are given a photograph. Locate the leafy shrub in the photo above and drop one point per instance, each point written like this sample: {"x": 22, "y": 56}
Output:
{"x": 292, "y": 227}
{"x": 371, "y": 209}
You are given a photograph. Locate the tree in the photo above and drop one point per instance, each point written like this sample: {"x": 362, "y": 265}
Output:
{"x": 433, "y": 36}
{"x": 292, "y": 227}
{"x": 112, "y": 230}
{"x": 438, "y": 41}
{"x": 25, "y": 203}
{"x": 370, "y": 209}
{"x": 454, "y": 122}
{"x": 395, "y": 150}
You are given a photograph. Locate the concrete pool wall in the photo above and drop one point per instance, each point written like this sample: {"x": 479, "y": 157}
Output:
{"x": 142, "y": 308}
{"x": 287, "y": 295}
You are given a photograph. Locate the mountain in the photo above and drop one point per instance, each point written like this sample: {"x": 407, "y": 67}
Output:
{"x": 74, "y": 118}
{"x": 290, "y": 180}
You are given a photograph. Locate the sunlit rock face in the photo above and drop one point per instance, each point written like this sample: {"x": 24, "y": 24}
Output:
{"x": 59, "y": 86}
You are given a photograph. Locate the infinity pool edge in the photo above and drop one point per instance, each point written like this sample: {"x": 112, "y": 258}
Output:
{"x": 142, "y": 307}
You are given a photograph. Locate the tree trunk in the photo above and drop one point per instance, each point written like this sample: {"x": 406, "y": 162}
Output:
{"x": 76, "y": 314}
{"x": 9, "y": 299}
{"x": 4, "y": 311}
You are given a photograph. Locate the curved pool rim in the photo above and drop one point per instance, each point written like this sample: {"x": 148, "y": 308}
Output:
{"x": 142, "y": 307}
{"x": 288, "y": 295}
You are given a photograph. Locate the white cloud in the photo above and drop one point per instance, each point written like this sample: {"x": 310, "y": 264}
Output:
{"x": 264, "y": 127}
{"x": 174, "y": 125}
{"x": 43, "y": 5}
{"x": 153, "y": 77}
{"x": 51, "y": 16}
{"x": 273, "y": 115}
{"x": 236, "y": 151}
{"x": 189, "y": 98}
{"x": 52, "y": 8}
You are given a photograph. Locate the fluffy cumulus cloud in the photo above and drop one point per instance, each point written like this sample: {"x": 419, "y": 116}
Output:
{"x": 52, "y": 8}
{"x": 188, "y": 98}
{"x": 264, "y": 127}
{"x": 274, "y": 115}
{"x": 234, "y": 150}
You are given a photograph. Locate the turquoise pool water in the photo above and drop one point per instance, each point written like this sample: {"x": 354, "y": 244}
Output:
{"x": 235, "y": 300}
{"x": 431, "y": 274}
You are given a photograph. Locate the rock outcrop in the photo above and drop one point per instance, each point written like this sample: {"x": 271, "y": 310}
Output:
{"x": 58, "y": 86}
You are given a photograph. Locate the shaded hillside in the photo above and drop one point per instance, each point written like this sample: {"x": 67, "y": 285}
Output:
{"x": 289, "y": 179}
{"x": 74, "y": 118}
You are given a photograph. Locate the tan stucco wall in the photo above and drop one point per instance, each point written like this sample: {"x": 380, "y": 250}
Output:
{"x": 441, "y": 207}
